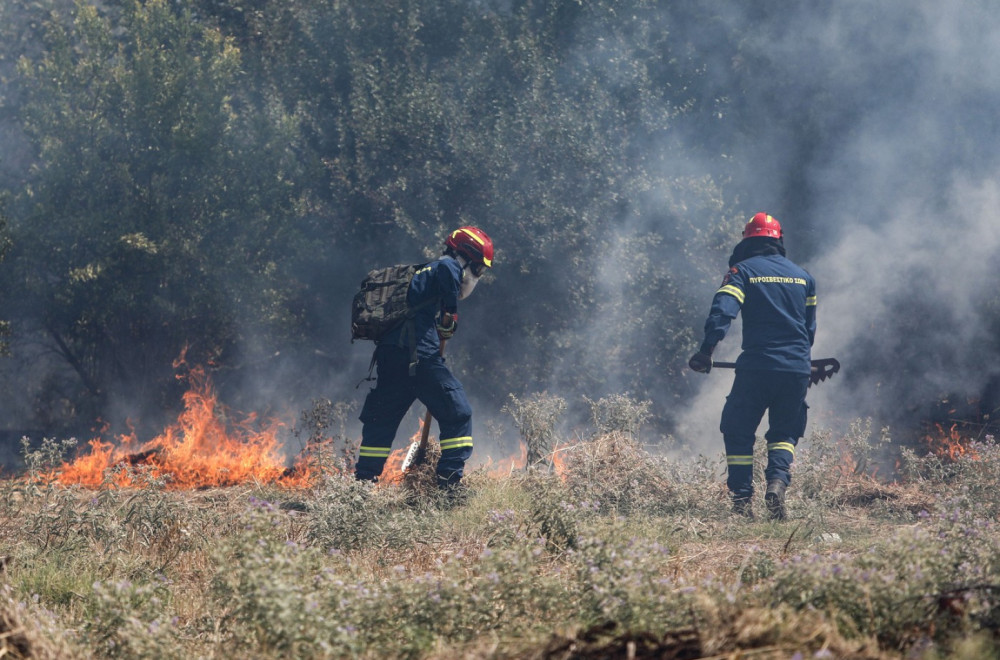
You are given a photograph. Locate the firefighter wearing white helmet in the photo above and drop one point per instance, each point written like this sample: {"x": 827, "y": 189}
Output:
{"x": 778, "y": 301}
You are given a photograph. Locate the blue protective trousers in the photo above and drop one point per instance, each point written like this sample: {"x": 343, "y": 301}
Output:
{"x": 394, "y": 392}
{"x": 783, "y": 395}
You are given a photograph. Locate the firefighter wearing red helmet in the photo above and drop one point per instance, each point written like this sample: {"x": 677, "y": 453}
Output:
{"x": 777, "y": 299}
{"x": 762, "y": 225}
{"x": 433, "y": 293}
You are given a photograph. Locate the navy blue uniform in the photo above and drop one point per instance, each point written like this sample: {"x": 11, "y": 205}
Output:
{"x": 778, "y": 301}
{"x": 433, "y": 289}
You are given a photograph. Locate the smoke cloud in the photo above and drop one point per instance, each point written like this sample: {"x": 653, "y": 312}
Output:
{"x": 896, "y": 214}
{"x": 868, "y": 130}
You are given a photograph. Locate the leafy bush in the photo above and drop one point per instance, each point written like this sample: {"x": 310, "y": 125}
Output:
{"x": 616, "y": 475}
{"x": 536, "y": 418}
{"x": 128, "y": 620}
{"x": 347, "y": 514}
{"x": 932, "y": 581}
{"x": 619, "y": 413}
{"x": 28, "y": 630}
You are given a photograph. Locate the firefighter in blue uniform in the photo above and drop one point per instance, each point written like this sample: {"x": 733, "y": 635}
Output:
{"x": 410, "y": 364}
{"x": 778, "y": 301}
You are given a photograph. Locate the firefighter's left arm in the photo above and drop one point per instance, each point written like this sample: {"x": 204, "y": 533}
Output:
{"x": 811, "y": 310}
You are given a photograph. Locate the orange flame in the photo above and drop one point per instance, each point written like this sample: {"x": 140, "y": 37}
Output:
{"x": 950, "y": 444}
{"x": 200, "y": 450}
{"x": 560, "y": 460}
{"x": 209, "y": 446}
{"x": 392, "y": 473}
{"x": 506, "y": 466}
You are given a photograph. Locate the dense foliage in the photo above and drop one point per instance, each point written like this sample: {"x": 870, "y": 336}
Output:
{"x": 217, "y": 176}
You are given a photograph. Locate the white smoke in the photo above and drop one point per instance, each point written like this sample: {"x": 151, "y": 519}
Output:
{"x": 902, "y": 208}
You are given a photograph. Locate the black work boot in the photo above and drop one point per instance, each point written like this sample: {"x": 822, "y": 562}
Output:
{"x": 742, "y": 506}
{"x": 774, "y": 498}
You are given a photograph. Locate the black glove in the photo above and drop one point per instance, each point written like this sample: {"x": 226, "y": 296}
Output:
{"x": 701, "y": 362}
{"x": 447, "y": 325}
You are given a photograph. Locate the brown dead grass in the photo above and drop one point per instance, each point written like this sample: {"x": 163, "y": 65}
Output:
{"x": 22, "y": 634}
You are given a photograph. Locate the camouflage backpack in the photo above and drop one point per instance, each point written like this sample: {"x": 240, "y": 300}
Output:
{"x": 381, "y": 305}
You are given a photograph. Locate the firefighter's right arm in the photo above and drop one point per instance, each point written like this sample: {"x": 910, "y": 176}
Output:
{"x": 726, "y": 305}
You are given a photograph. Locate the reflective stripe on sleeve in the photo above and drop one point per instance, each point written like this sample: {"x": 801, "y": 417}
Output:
{"x": 734, "y": 291}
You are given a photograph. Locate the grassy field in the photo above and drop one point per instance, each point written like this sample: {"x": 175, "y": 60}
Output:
{"x": 618, "y": 554}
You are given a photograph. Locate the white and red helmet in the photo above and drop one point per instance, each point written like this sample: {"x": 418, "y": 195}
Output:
{"x": 762, "y": 225}
{"x": 473, "y": 244}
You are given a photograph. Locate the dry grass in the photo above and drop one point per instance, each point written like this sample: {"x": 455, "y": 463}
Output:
{"x": 618, "y": 554}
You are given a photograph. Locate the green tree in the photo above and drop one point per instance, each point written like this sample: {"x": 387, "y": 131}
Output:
{"x": 553, "y": 124}
{"x": 221, "y": 174}
{"x": 160, "y": 205}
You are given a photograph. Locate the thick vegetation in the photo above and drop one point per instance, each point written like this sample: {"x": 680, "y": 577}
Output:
{"x": 219, "y": 176}
{"x": 212, "y": 178}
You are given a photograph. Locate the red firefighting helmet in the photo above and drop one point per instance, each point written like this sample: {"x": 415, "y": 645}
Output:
{"x": 762, "y": 225}
{"x": 473, "y": 244}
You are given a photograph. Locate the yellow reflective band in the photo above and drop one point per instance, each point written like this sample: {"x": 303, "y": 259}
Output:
{"x": 739, "y": 460}
{"x": 455, "y": 443}
{"x": 486, "y": 262}
{"x": 735, "y": 292}
{"x": 374, "y": 452}
{"x": 811, "y": 300}
{"x": 777, "y": 446}
{"x": 470, "y": 234}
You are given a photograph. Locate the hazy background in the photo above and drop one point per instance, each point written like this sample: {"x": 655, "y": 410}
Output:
{"x": 221, "y": 175}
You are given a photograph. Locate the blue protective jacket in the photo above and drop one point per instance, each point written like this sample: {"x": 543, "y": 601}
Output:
{"x": 440, "y": 281}
{"x": 778, "y": 302}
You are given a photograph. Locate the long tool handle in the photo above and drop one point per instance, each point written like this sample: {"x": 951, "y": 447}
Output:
{"x": 829, "y": 364}
{"x": 821, "y": 369}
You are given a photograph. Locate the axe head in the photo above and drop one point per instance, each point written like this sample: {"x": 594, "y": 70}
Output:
{"x": 823, "y": 369}
{"x": 415, "y": 455}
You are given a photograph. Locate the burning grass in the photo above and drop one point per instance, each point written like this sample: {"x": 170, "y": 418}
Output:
{"x": 612, "y": 552}
{"x": 208, "y": 446}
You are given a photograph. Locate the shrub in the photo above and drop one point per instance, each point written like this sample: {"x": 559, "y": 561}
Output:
{"x": 29, "y": 631}
{"x": 615, "y": 474}
{"x": 619, "y": 413}
{"x": 536, "y": 418}
{"x": 928, "y": 581}
{"x": 128, "y": 620}
{"x": 347, "y": 514}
